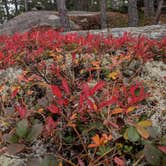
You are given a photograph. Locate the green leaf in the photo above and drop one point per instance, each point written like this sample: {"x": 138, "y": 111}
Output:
{"x": 13, "y": 139}
{"x": 49, "y": 161}
{"x": 34, "y": 132}
{"x": 132, "y": 134}
{"x": 127, "y": 149}
{"x": 137, "y": 91}
{"x": 152, "y": 155}
{"x": 46, "y": 161}
{"x": 22, "y": 128}
{"x": 103, "y": 150}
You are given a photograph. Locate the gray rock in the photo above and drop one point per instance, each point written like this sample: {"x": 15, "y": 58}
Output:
{"x": 153, "y": 31}
{"x": 11, "y": 161}
{"x": 27, "y": 20}
{"x": 9, "y": 75}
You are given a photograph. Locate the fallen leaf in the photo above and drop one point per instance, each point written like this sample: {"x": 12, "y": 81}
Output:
{"x": 119, "y": 161}
{"x": 152, "y": 154}
{"x": 15, "y": 148}
{"x": 162, "y": 148}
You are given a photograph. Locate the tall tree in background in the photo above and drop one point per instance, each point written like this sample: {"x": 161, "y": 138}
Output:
{"x": 149, "y": 8}
{"x": 64, "y": 19}
{"x": 5, "y": 3}
{"x": 103, "y": 14}
{"x": 158, "y": 12}
{"x": 132, "y": 13}
{"x": 16, "y": 6}
{"x": 26, "y": 5}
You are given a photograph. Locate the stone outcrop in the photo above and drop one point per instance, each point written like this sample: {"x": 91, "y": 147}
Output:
{"x": 27, "y": 20}
{"x": 153, "y": 31}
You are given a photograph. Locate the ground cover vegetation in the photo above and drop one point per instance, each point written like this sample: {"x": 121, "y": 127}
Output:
{"x": 82, "y": 95}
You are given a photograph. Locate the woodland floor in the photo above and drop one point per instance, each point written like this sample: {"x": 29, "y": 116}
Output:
{"x": 91, "y": 20}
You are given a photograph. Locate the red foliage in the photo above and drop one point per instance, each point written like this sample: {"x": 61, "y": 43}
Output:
{"x": 31, "y": 49}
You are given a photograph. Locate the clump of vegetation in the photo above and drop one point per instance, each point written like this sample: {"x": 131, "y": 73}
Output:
{"x": 80, "y": 94}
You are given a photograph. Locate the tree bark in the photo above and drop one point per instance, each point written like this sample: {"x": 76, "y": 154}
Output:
{"x": 64, "y": 19}
{"x": 81, "y": 4}
{"x": 103, "y": 14}
{"x": 149, "y": 8}
{"x": 16, "y": 6}
{"x": 6, "y": 8}
{"x": 132, "y": 13}
{"x": 26, "y": 5}
{"x": 158, "y": 12}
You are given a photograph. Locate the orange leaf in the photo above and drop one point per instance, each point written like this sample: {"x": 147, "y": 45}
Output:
{"x": 60, "y": 163}
{"x": 95, "y": 63}
{"x": 1, "y": 88}
{"x": 130, "y": 109}
{"x": 117, "y": 111}
{"x": 29, "y": 92}
{"x": 96, "y": 140}
{"x": 113, "y": 75}
{"x": 106, "y": 138}
{"x": 143, "y": 132}
{"x": 40, "y": 110}
{"x": 74, "y": 116}
{"x": 145, "y": 123}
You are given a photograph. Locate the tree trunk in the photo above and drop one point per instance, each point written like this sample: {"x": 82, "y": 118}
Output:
{"x": 16, "y": 6}
{"x": 149, "y": 8}
{"x": 81, "y": 5}
{"x": 64, "y": 19}
{"x": 6, "y": 8}
{"x": 26, "y": 5}
{"x": 132, "y": 13}
{"x": 103, "y": 14}
{"x": 158, "y": 12}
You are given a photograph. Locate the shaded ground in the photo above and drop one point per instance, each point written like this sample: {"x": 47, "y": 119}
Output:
{"x": 91, "y": 20}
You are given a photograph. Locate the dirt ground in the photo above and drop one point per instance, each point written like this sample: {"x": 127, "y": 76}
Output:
{"x": 91, "y": 20}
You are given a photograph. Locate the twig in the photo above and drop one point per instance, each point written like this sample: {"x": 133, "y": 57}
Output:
{"x": 137, "y": 162}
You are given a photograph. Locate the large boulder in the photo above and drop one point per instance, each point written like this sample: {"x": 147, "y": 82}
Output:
{"x": 152, "y": 31}
{"x": 28, "y": 20}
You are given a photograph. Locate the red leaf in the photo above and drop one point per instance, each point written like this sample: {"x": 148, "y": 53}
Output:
{"x": 108, "y": 102}
{"x": 134, "y": 97}
{"x": 65, "y": 86}
{"x": 91, "y": 104}
{"x": 50, "y": 124}
{"x": 119, "y": 161}
{"x": 81, "y": 100}
{"x": 86, "y": 90}
{"x": 97, "y": 87}
{"x": 80, "y": 162}
{"x": 56, "y": 91}
{"x": 162, "y": 148}
{"x": 62, "y": 102}
{"x": 14, "y": 93}
{"x": 54, "y": 109}
{"x": 21, "y": 110}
